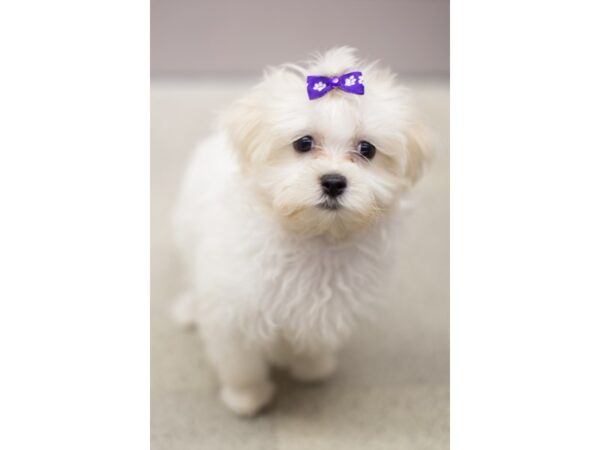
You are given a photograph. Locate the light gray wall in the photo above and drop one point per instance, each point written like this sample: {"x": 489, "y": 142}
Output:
{"x": 236, "y": 37}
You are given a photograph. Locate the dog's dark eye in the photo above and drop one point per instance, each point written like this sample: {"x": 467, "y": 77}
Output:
{"x": 304, "y": 144}
{"x": 366, "y": 149}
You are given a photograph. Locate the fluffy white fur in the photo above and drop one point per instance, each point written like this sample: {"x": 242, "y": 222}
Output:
{"x": 275, "y": 279}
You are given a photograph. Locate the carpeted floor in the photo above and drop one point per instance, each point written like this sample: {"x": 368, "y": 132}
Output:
{"x": 392, "y": 387}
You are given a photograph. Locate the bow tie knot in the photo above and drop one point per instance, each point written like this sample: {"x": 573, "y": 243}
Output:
{"x": 318, "y": 86}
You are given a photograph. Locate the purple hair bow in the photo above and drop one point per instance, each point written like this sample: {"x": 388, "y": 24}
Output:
{"x": 319, "y": 86}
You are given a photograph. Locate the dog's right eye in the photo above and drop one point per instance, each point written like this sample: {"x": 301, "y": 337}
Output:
{"x": 304, "y": 144}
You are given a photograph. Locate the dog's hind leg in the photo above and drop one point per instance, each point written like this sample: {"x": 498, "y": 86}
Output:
{"x": 183, "y": 310}
{"x": 312, "y": 368}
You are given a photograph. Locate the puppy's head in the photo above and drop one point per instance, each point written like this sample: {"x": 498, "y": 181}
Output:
{"x": 334, "y": 165}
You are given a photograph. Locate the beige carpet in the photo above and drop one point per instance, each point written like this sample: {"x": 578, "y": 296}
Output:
{"x": 391, "y": 391}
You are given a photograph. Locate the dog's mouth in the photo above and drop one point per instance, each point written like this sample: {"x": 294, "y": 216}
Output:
{"x": 330, "y": 204}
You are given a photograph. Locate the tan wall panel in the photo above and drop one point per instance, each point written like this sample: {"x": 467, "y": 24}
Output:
{"x": 194, "y": 38}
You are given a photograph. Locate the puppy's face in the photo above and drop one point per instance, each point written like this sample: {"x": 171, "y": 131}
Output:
{"x": 330, "y": 166}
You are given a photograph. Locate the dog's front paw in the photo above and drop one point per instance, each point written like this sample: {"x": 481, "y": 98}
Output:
{"x": 248, "y": 400}
{"x": 313, "y": 369}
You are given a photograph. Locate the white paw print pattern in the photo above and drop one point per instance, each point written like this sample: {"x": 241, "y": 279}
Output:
{"x": 360, "y": 80}
{"x": 319, "y": 86}
{"x": 350, "y": 81}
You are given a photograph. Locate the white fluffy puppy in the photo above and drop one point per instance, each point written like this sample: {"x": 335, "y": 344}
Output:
{"x": 285, "y": 219}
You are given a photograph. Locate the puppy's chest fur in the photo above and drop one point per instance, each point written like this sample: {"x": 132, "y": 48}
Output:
{"x": 311, "y": 292}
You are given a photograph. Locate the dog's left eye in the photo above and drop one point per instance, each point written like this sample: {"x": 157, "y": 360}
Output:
{"x": 304, "y": 144}
{"x": 366, "y": 149}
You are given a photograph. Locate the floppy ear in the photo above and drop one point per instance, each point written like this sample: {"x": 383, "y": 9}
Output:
{"x": 243, "y": 125}
{"x": 419, "y": 151}
{"x": 252, "y": 121}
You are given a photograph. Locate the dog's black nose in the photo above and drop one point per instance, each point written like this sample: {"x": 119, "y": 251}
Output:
{"x": 333, "y": 184}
